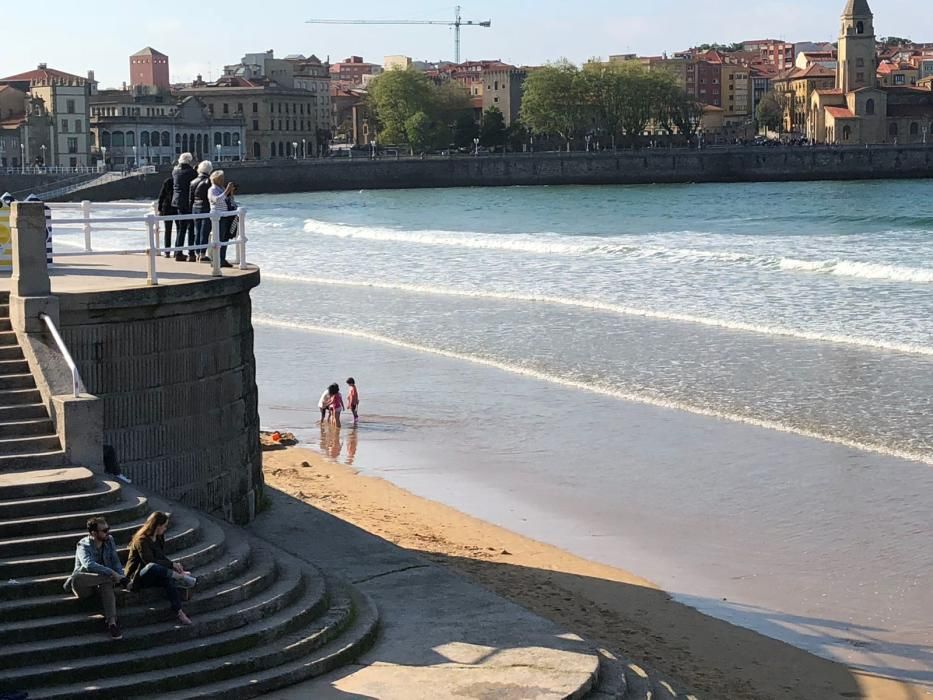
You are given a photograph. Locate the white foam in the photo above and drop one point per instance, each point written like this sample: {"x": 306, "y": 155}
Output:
{"x": 597, "y": 388}
{"x": 596, "y": 305}
{"x": 555, "y": 244}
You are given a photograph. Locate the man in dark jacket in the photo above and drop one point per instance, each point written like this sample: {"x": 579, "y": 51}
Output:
{"x": 182, "y": 176}
{"x": 201, "y": 205}
{"x": 166, "y": 209}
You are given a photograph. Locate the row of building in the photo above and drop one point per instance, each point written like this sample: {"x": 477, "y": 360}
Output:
{"x": 855, "y": 91}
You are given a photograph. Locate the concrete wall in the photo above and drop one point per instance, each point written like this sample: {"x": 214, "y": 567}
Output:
{"x": 175, "y": 370}
{"x": 639, "y": 167}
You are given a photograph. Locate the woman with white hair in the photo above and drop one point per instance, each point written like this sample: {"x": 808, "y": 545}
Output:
{"x": 201, "y": 205}
{"x": 182, "y": 176}
{"x": 218, "y": 195}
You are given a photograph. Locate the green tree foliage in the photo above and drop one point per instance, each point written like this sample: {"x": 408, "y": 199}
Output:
{"x": 770, "y": 113}
{"x": 492, "y": 132}
{"x": 895, "y": 41}
{"x": 724, "y": 48}
{"x": 555, "y": 101}
{"x": 411, "y": 109}
{"x": 608, "y": 100}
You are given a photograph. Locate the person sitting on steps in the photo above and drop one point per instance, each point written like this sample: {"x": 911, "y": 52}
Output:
{"x": 98, "y": 569}
{"x": 148, "y": 567}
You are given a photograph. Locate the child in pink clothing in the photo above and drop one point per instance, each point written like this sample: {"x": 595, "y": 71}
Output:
{"x": 336, "y": 403}
{"x": 353, "y": 399}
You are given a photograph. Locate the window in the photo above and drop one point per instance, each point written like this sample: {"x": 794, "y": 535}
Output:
{"x": 257, "y": 150}
{"x": 78, "y": 126}
{"x": 860, "y": 62}
{"x": 255, "y": 111}
{"x": 846, "y": 132}
{"x": 210, "y": 108}
{"x": 899, "y": 79}
{"x": 892, "y": 129}
{"x": 64, "y": 126}
{"x": 70, "y": 106}
{"x": 226, "y": 108}
{"x": 869, "y": 106}
{"x": 914, "y": 129}
{"x": 280, "y": 124}
{"x": 255, "y": 125}
{"x": 218, "y": 138}
{"x": 118, "y": 139}
{"x": 226, "y": 138}
{"x": 859, "y": 27}
{"x": 72, "y": 145}
{"x": 239, "y": 108}
{"x": 105, "y": 138}
{"x": 130, "y": 138}
{"x": 144, "y": 138}
{"x": 166, "y": 139}
{"x": 236, "y": 138}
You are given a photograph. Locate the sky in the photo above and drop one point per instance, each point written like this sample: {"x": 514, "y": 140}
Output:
{"x": 200, "y": 37}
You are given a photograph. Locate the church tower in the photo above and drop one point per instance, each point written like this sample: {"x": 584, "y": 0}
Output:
{"x": 856, "y": 59}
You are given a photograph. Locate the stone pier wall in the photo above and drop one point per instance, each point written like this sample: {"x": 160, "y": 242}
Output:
{"x": 175, "y": 369}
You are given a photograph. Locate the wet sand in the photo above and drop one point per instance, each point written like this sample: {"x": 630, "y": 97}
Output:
{"x": 616, "y": 609}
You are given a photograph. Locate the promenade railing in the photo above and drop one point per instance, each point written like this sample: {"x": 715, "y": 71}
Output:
{"x": 142, "y": 219}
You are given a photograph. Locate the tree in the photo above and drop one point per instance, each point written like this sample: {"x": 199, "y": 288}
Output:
{"x": 684, "y": 113}
{"x": 465, "y": 130}
{"x": 895, "y": 41}
{"x": 418, "y": 131}
{"x": 492, "y": 132}
{"x": 554, "y": 101}
{"x": 397, "y": 96}
{"x": 770, "y": 112}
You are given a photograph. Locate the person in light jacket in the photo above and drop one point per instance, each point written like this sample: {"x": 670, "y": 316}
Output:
{"x": 200, "y": 204}
{"x": 219, "y": 196}
{"x": 182, "y": 176}
{"x": 98, "y": 570}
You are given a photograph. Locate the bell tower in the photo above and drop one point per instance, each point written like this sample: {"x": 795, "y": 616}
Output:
{"x": 856, "y": 59}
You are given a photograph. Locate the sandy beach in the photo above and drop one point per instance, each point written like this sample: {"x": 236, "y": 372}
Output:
{"x": 615, "y": 609}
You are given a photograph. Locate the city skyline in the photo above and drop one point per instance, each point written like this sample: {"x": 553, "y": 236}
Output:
{"x": 522, "y": 32}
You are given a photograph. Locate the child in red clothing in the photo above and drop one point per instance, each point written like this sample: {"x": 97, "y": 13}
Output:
{"x": 353, "y": 399}
{"x": 336, "y": 403}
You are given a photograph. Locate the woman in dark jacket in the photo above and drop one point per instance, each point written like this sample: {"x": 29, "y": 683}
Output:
{"x": 182, "y": 176}
{"x": 166, "y": 209}
{"x": 201, "y": 205}
{"x": 148, "y": 567}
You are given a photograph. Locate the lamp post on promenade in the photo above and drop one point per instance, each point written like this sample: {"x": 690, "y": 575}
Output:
{"x": 475, "y": 145}
{"x": 304, "y": 149}
{"x": 22, "y": 156}
{"x": 295, "y": 150}
{"x": 103, "y": 150}
{"x": 134, "y": 157}
{"x": 531, "y": 141}
{"x": 588, "y": 137}
{"x": 42, "y": 148}
{"x": 217, "y": 148}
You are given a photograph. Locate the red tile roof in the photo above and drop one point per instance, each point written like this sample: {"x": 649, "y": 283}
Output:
{"x": 44, "y": 76}
{"x": 840, "y": 112}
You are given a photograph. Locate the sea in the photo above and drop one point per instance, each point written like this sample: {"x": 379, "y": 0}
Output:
{"x": 724, "y": 388}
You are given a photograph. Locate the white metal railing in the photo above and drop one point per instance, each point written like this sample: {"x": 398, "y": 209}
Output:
{"x": 77, "y": 384}
{"x": 89, "y": 223}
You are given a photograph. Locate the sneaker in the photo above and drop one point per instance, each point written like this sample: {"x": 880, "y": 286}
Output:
{"x": 192, "y": 257}
{"x": 186, "y": 581}
{"x": 180, "y": 257}
{"x": 115, "y": 632}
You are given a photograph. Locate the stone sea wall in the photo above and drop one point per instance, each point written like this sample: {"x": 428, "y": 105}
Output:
{"x": 175, "y": 369}
{"x": 747, "y": 164}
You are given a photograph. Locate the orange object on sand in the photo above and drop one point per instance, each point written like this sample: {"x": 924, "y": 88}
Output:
{"x": 276, "y": 436}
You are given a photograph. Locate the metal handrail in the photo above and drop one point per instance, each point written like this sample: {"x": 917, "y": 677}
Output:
{"x": 77, "y": 384}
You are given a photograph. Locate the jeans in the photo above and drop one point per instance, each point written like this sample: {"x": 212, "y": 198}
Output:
{"x": 204, "y": 234}
{"x": 170, "y": 211}
{"x": 226, "y": 224}
{"x": 157, "y": 576}
{"x": 184, "y": 227}
{"x": 85, "y": 584}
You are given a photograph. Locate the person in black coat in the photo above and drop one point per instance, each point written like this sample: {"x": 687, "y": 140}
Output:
{"x": 166, "y": 209}
{"x": 182, "y": 176}
{"x": 201, "y": 205}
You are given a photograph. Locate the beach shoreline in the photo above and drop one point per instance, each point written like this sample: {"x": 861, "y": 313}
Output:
{"x": 615, "y": 609}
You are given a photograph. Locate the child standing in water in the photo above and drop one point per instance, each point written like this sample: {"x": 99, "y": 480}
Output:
{"x": 353, "y": 399}
{"x": 324, "y": 404}
{"x": 336, "y": 403}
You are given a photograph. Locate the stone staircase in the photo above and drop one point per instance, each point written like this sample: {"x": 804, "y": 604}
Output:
{"x": 27, "y": 436}
{"x": 262, "y": 618}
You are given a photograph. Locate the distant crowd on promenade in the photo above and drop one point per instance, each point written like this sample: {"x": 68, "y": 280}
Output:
{"x": 200, "y": 190}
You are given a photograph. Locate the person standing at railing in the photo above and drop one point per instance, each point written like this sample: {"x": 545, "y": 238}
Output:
{"x": 201, "y": 205}
{"x": 166, "y": 209}
{"x": 182, "y": 176}
{"x": 218, "y": 196}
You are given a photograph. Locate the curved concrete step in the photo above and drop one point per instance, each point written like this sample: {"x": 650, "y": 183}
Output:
{"x": 131, "y": 507}
{"x": 348, "y": 645}
{"x": 45, "y": 482}
{"x": 48, "y": 459}
{"x": 8, "y": 338}
{"x": 13, "y": 366}
{"x": 145, "y": 628}
{"x": 103, "y": 494}
{"x": 318, "y": 646}
{"x": 26, "y": 427}
{"x": 276, "y": 613}
{"x": 18, "y": 397}
{"x": 17, "y": 381}
{"x": 11, "y": 352}
{"x": 30, "y": 444}
{"x": 209, "y": 547}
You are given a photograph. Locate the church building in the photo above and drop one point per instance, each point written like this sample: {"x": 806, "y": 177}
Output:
{"x": 857, "y": 110}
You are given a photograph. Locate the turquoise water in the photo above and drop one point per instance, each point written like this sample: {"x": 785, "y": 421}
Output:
{"x": 723, "y": 388}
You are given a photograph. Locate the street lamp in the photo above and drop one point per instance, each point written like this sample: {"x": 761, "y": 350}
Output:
{"x": 304, "y": 148}
{"x": 372, "y": 149}
{"x": 475, "y": 146}
{"x": 103, "y": 150}
{"x": 22, "y": 156}
{"x": 531, "y": 140}
{"x": 134, "y": 157}
{"x": 924, "y": 133}
{"x": 217, "y": 147}
{"x": 589, "y": 137}
{"x": 295, "y": 150}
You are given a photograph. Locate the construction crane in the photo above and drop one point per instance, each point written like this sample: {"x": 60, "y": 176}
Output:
{"x": 456, "y": 24}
